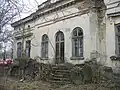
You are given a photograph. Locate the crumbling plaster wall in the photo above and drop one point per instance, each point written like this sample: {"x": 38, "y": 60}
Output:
{"x": 66, "y": 26}
{"x": 98, "y": 31}
{"x": 93, "y": 25}
{"x": 112, "y": 7}
{"x": 94, "y": 41}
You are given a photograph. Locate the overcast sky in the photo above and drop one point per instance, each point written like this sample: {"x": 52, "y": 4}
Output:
{"x": 31, "y": 6}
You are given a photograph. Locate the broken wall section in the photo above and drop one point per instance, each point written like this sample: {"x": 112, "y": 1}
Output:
{"x": 98, "y": 30}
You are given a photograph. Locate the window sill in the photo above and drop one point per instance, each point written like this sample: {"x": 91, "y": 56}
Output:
{"x": 115, "y": 58}
{"x": 44, "y": 58}
{"x": 77, "y": 58}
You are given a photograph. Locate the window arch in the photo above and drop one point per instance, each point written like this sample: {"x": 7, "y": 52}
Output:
{"x": 77, "y": 42}
{"x": 44, "y": 46}
{"x": 59, "y": 36}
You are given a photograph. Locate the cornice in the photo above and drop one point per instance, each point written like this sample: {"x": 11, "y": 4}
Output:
{"x": 23, "y": 36}
{"x": 46, "y": 23}
{"x": 85, "y": 11}
{"x": 36, "y": 15}
{"x": 115, "y": 14}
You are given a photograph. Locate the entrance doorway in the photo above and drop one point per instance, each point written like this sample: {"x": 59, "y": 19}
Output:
{"x": 59, "y": 48}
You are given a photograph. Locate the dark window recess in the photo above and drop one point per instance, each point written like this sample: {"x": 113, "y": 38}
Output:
{"x": 77, "y": 42}
{"x": 19, "y": 49}
{"x": 44, "y": 46}
{"x": 28, "y": 48}
{"x": 118, "y": 40}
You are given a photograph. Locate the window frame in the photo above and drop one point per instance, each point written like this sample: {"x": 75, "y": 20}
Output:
{"x": 44, "y": 44}
{"x": 79, "y": 40}
{"x": 28, "y": 47}
{"x": 19, "y": 49}
{"x": 117, "y": 34}
{"x": 59, "y": 47}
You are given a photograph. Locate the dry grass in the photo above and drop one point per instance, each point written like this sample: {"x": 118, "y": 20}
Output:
{"x": 40, "y": 85}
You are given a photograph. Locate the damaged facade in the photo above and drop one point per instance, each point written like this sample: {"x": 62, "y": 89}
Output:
{"x": 112, "y": 32}
{"x": 70, "y": 31}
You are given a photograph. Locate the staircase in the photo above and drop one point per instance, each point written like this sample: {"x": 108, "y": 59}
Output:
{"x": 60, "y": 74}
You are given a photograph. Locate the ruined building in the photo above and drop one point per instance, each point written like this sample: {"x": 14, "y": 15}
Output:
{"x": 70, "y": 31}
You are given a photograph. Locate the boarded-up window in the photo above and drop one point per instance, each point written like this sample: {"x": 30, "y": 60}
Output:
{"x": 19, "y": 49}
{"x": 44, "y": 46}
{"x": 28, "y": 48}
{"x": 77, "y": 42}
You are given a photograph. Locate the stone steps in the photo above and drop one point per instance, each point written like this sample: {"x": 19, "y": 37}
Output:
{"x": 60, "y": 74}
{"x": 59, "y": 82}
{"x": 61, "y": 79}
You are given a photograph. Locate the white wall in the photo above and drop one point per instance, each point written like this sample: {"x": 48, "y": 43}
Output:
{"x": 110, "y": 1}
{"x": 66, "y": 27}
{"x": 88, "y": 22}
{"x": 111, "y": 40}
{"x": 110, "y": 32}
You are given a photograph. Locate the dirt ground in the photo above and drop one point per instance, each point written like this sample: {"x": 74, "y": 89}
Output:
{"x": 10, "y": 84}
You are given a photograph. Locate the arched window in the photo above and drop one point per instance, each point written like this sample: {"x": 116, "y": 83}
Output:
{"x": 59, "y": 47}
{"x": 44, "y": 46}
{"x": 77, "y": 42}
